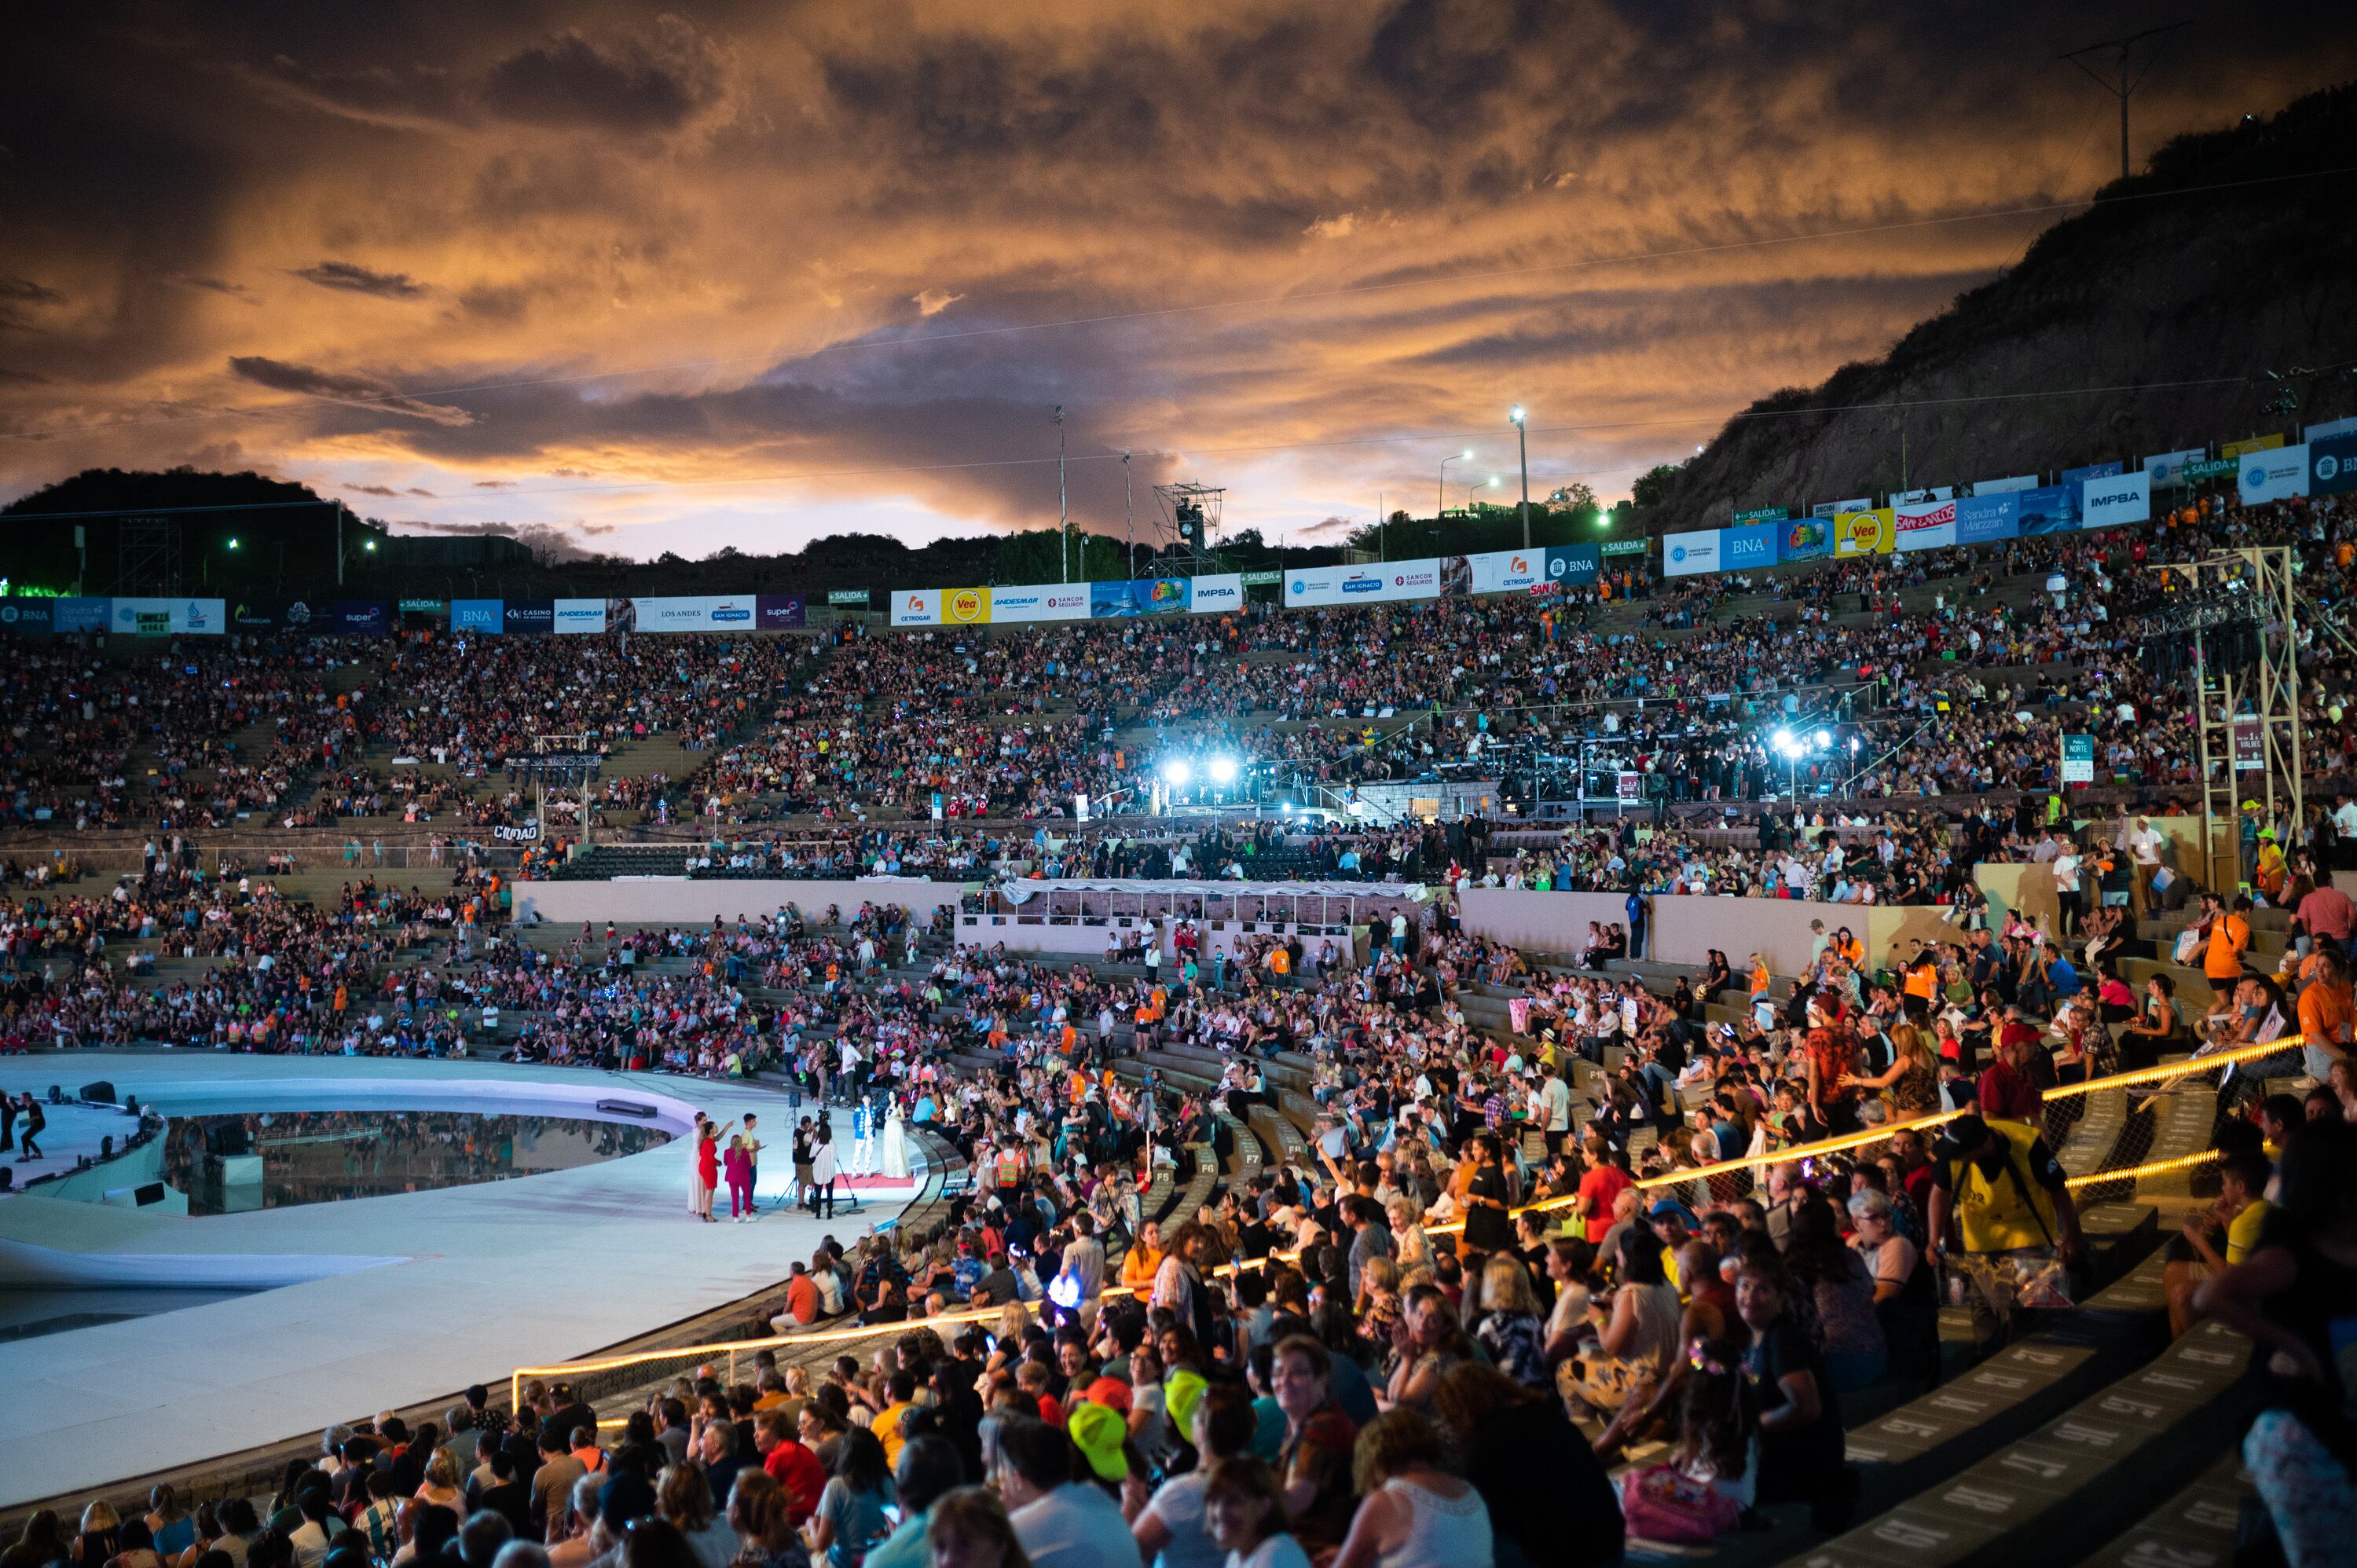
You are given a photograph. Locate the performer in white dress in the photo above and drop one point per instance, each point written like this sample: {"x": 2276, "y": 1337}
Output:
{"x": 896, "y": 1145}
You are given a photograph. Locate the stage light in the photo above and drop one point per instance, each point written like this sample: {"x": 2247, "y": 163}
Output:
{"x": 1175, "y": 773}
{"x": 232, "y": 542}
{"x": 1783, "y": 739}
{"x": 1824, "y": 737}
{"x": 1287, "y": 808}
{"x": 1224, "y": 770}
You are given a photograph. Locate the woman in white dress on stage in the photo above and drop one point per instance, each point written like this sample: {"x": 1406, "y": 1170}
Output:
{"x": 896, "y": 1145}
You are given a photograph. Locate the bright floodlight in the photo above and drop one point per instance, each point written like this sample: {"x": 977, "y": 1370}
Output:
{"x": 1494, "y": 481}
{"x": 1824, "y": 737}
{"x": 1467, "y": 453}
{"x": 232, "y": 542}
{"x": 1516, "y": 416}
{"x": 1175, "y": 773}
{"x": 1224, "y": 770}
{"x": 1783, "y": 738}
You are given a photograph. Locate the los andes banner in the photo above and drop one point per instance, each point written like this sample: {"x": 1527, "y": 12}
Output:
{"x": 1573, "y": 565}
{"x": 1025, "y": 602}
{"x": 2332, "y": 464}
{"x": 695, "y": 613}
{"x": 1870, "y": 530}
{"x": 965, "y": 607}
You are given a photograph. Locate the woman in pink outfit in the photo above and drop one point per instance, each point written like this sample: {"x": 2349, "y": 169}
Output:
{"x": 739, "y": 1165}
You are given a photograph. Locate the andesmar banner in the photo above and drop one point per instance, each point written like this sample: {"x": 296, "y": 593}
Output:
{"x": 2119, "y": 497}
{"x": 1924, "y": 525}
{"x": 695, "y": 613}
{"x": 2269, "y": 474}
{"x": 965, "y": 607}
{"x": 1025, "y": 602}
{"x": 1870, "y": 531}
{"x": 2316, "y": 432}
{"x": 1688, "y": 554}
{"x": 578, "y": 618}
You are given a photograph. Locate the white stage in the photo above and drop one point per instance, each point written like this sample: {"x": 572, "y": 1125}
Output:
{"x": 429, "y": 1291}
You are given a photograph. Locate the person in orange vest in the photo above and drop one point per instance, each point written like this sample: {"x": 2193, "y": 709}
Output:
{"x": 2230, "y": 938}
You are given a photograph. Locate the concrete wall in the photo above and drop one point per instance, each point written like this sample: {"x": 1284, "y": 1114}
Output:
{"x": 1538, "y": 922}
{"x": 627, "y": 903}
{"x": 1683, "y": 929}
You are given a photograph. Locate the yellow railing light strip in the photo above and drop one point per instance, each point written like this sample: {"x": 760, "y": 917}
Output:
{"x": 2186, "y": 1069}
{"x": 2137, "y": 1173}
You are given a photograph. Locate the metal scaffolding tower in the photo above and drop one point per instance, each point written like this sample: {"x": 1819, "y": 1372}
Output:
{"x": 2244, "y": 619}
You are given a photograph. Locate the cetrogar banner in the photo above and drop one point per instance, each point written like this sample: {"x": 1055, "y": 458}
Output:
{"x": 2270, "y": 473}
{"x": 1980, "y": 519}
{"x": 531, "y": 617}
{"x": 2122, "y": 498}
{"x": 199, "y": 618}
{"x": 696, "y": 612}
{"x": 1870, "y": 531}
{"x": 1924, "y": 525}
{"x": 1039, "y": 601}
{"x": 2080, "y": 476}
{"x": 965, "y": 607}
{"x": 1573, "y": 565}
{"x": 1752, "y": 545}
{"x": 1690, "y": 554}
{"x": 476, "y": 616}
{"x": 578, "y": 617}
{"x": 2164, "y": 469}
{"x": 917, "y": 607}
{"x": 1217, "y": 594}
{"x": 2050, "y": 509}
{"x": 779, "y": 612}
{"x": 2332, "y": 464}
{"x": 1498, "y": 571}
{"x": 1808, "y": 538}
{"x": 362, "y": 617}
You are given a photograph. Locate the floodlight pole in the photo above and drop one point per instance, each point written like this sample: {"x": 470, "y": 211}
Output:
{"x": 1063, "y": 507}
{"x": 1129, "y": 512}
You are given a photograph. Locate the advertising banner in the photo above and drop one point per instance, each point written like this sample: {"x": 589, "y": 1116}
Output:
{"x": 1752, "y": 545}
{"x": 965, "y": 607}
{"x": 160, "y": 617}
{"x": 2050, "y": 509}
{"x": 2080, "y": 476}
{"x": 1689, "y": 555}
{"x": 2121, "y": 498}
{"x": 578, "y": 617}
{"x": 1746, "y": 518}
{"x": 1313, "y": 586}
{"x": 2203, "y": 469}
{"x": 1262, "y": 579}
{"x": 256, "y": 614}
{"x": 1980, "y": 519}
{"x": 856, "y": 598}
{"x": 422, "y": 606}
{"x": 1024, "y": 602}
{"x": 362, "y": 617}
{"x": 529, "y": 618}
{"x": 1145, "y": 597}
{"x": 1808, "y": 538}
{"x": 2078, "y": 760}
{"x": 779, "y": 612}
{"x": 696, "y": 612}
{"x": 2316, "y": 432}
{"x": 2332, "y": 464}
{"x": 2005, "y": 487}
{"x": 2164, "y": 469}
{"x": 1935, "y": 493}
{"x": 1494, "y": 572}
{"x": 2250, "y": 746}
{"x": 917, "y": 607}
{"x": 77, "y": 614}
{"x": 1924, "y": 525}
{"x": 1217, "y": 594}
{"x": 2270, "y": 473}
{"x": 1573, "y": 565}
{"x": 1612, "y": 547}
{"x": 27, "y": 618}
{"x": 1870, "y": 530}
{"x": 2249, "y": 445}
{"x": 476, "y": 616}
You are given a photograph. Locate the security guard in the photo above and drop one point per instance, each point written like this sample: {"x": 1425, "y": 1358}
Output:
{"x": 2012, "y": 1212}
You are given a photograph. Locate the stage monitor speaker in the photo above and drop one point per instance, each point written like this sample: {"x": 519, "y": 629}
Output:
{"x": 103, "y": 1092}
{"x": 151, "y": 1193}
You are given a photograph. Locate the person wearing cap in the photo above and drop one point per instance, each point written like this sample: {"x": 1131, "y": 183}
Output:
{"x": 2000, "y": 1206}
{"x": 1056, "y": 1485}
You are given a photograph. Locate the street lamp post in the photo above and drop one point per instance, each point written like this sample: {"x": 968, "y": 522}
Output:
{"x": 1522, "y": 439}
{"x": 1441, "y": 505}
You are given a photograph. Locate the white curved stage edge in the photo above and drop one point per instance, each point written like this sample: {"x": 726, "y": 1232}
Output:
{"x": 381, "y": 1302}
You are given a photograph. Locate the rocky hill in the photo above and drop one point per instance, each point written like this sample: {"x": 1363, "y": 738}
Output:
{"x": 2167, "y": 280}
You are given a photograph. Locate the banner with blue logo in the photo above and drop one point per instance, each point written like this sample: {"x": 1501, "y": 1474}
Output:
{"x": 579, "y": 618}
{"x": 2050, "y": 509}
{"x": 529, "y": 618}
{"x": 479, "y": 616}
{"x": 362, "y": 617}
{"x": 1689, "y": 555}
{"x": 1573, "y": 565}
{"x": 27, "y": 618}
{"x": 1808, "y": 538}
{"x": 2273, "y": 474}
{"x": 778, "y": 612}
{"x": 166, "y": 617}
{"x": 1752, "y": 545}
{"x": 2332, "y": 464}
{"x": 700, "y": 612}
{"x": 1983, "y": 518}
{"x": 2080, "y": 475}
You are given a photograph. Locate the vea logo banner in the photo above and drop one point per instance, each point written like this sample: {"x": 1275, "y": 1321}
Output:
{"x": 965, "y": 607}
{"x": 481, "y": 616}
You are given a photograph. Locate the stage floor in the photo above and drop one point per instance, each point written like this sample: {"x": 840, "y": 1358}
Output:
{"x": 441, "y": 1289}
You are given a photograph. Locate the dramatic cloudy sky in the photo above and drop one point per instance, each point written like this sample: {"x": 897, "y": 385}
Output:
{"x": 741, "y": 275}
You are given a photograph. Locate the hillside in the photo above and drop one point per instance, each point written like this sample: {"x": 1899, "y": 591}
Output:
{"x": 2146, "y": 288}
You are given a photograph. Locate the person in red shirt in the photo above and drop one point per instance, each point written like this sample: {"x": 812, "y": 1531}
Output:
{"x": 2006, "y": 1089}
{"x": 795, "y": 1468}
{"x": 1606, "y": 1179}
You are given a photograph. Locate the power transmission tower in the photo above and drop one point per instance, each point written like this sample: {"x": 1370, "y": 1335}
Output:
{"x": 2127, "y": 83}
